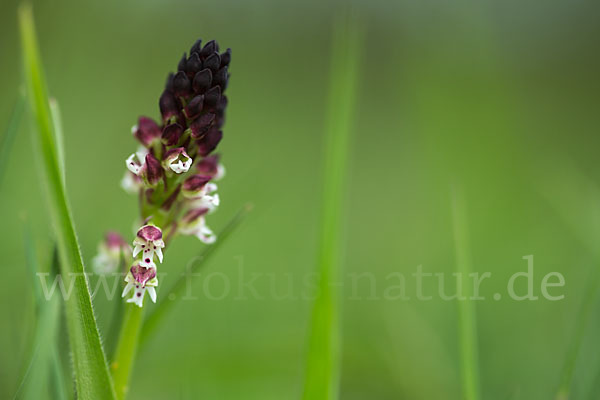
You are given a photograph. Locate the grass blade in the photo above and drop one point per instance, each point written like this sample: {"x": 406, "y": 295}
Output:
{"x": 322, "y": 359}
{"x": 158, "y": 313}
{"x": 45, "y": 365}
{"x": 583, "y": 316}
{"x": 58, "y": 135}
{"x": 467, "y": 326}
{"x": 92, "y": 379}
{"x": 10, "y": 133}
{"x": 575, "y": 198}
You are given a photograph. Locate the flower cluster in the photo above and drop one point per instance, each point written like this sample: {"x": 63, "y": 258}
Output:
{"x": 175, "y": 168}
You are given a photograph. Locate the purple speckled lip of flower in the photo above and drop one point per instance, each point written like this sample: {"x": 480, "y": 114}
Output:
{"x": 142, "y": 274}
{"x": 149, "y": 233}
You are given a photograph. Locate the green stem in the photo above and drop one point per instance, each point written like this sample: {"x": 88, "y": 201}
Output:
{"x": 467, "y": 327}
{"x": 126, "y": 349}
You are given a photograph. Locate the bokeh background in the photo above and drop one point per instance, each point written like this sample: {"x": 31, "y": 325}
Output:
{"x": 497, "y": 97}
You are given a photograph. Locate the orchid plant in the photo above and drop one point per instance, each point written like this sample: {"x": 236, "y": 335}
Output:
{"x": 174, "y": 170}
{"x": 173, "y": 173}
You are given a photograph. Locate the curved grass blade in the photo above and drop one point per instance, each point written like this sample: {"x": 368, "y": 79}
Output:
{"x": 58, "y": 135}
{"x": 322, "y": 360}
{"x": 45, "y": 365}
{"x": 583, "y": 316}
{"x": 92, "y": 379}
{"x": 575, "y": 199}
{"x": 11, "y": 132}
{"x": 158, "y": 313}
{"x": 469, "y": 367}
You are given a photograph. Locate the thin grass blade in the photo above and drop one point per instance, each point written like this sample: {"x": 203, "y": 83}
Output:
{"x": 58, "y": 134}
{"x": 92, "y": 379}
{"x": 323, "y": 352}
{"x": 11, "y": 132}
{"x": 45, "y": 365}
{"x": 467, "y": 326}
{"x": 575, "y": 198}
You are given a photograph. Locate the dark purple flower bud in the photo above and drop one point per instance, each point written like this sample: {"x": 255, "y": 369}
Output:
{"x": 220, "y": 78}
{"x": 209, "y": 142}
{"x": 201, "y": 125}
{"x": 220, "y": 112}
{"x": 193, "y": 65}
{"x": 226, "y": 58}
{"x": 194, "y": 108}
{"x": 193, "y": 215}
{"x": 181, "y": 84}
{"x": 169, "y": 83}
{"x": 209, "y": 166}
{"x": 182, "y": 62}
{"x": 153, "y": 171}
{"x": 213, "y": 62}
{"x": 195, "y": 183}
{"x": 142, "y": 274}
{"x": 202, "y": 81}
{"x": 169, "y": 105}
{"x": 208, "y": 49}
{"x": 146, "y": 131}
{"x": 171, "y": 134}
{"x": 212, "y": 96}
{"x": 196, "y": 47}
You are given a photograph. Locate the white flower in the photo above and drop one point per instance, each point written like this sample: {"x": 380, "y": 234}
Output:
{"x": 194, "y": 223}
{"x": 149, "y": 241}
{"x": 178, "y": 160}
{"x": 201, "y": 191}
{"x": 136, "y": 161}
{"x": 141, "y": 279}
{"x": 131, "y": 183}
{"x": 208, "y": 198}
{"x": 220, "y": 172}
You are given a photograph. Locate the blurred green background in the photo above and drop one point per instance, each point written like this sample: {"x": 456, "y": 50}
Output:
{"x": 498, "y": 97}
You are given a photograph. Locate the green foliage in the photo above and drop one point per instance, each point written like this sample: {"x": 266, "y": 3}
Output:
{"x": 11, "y": 132}
{"x": 467, "y": 328}
{"x": 323, "y": 353}
{"x": 90, "y": 370}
